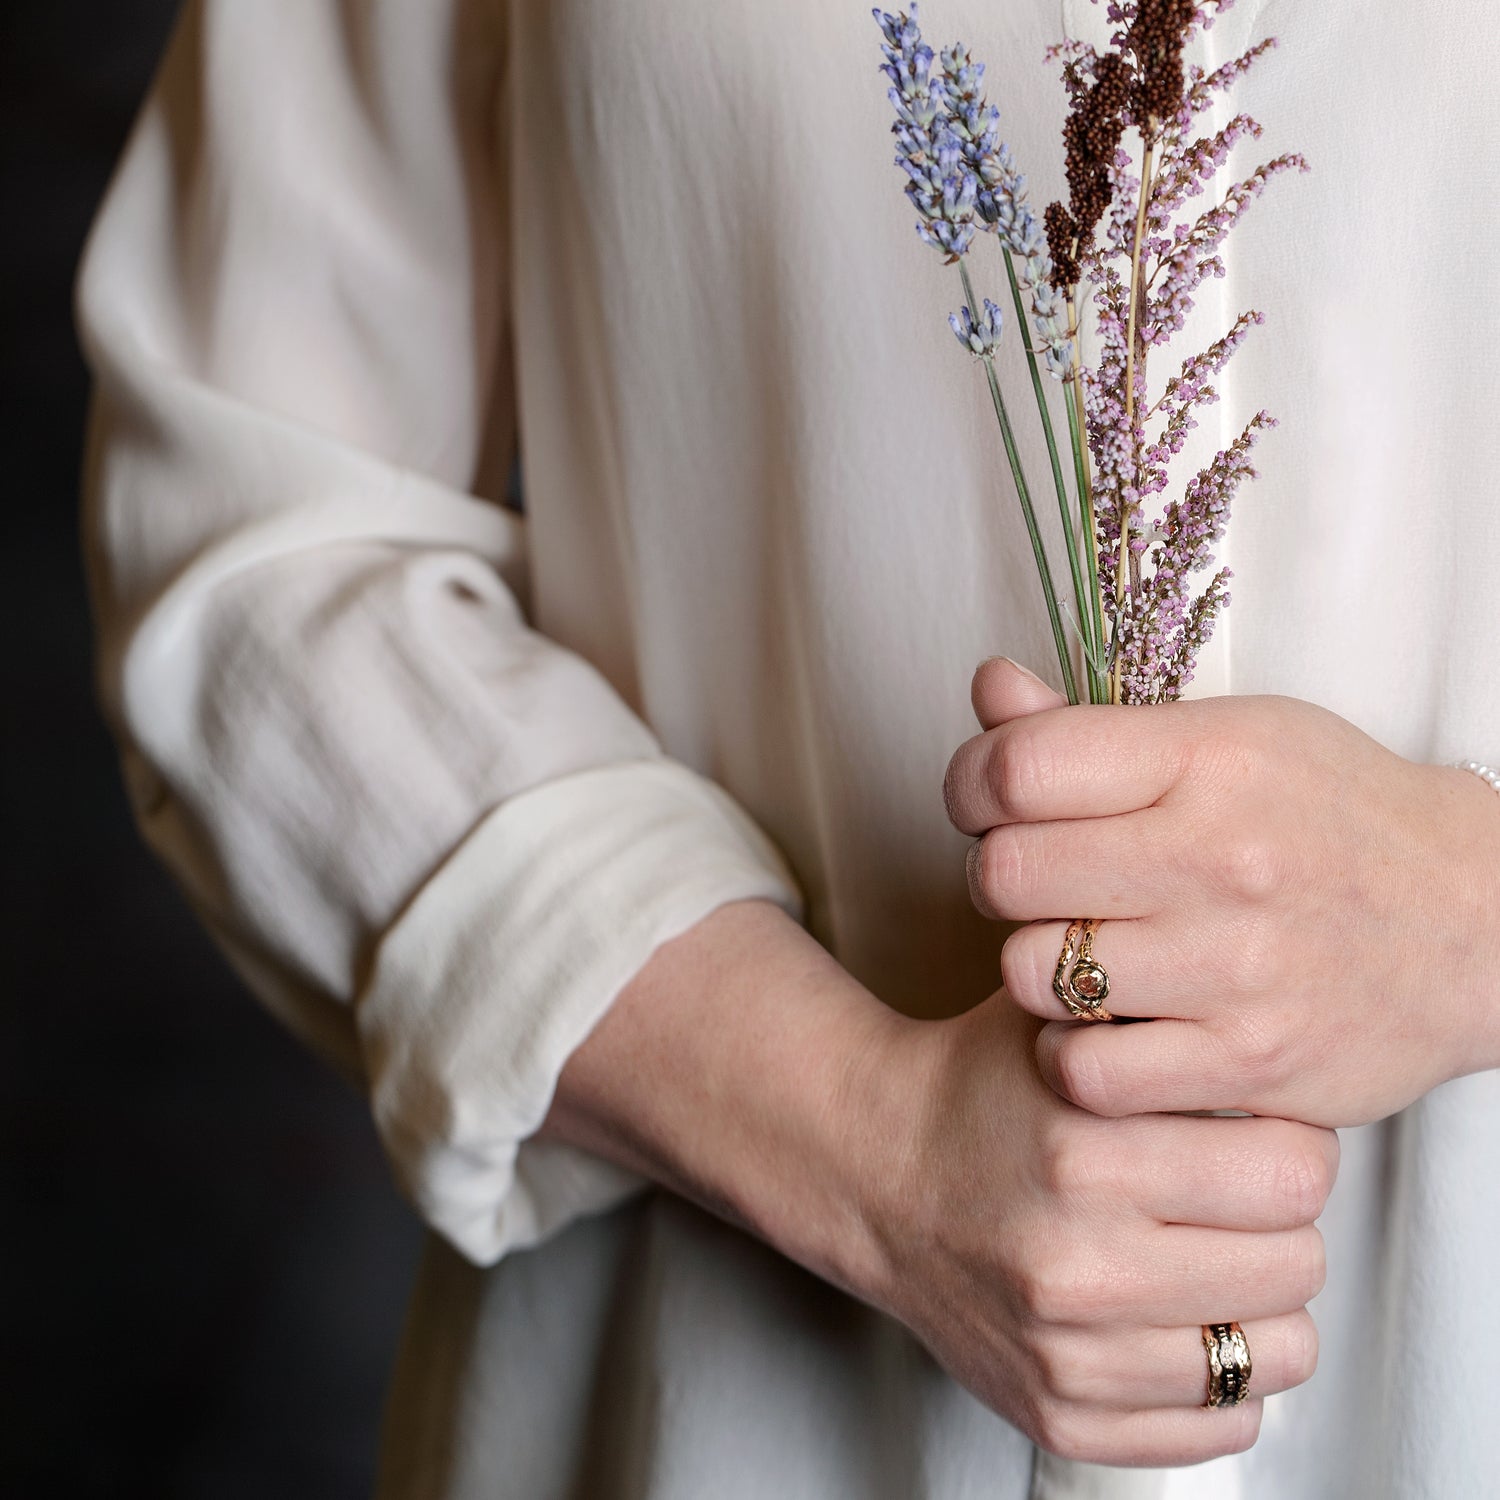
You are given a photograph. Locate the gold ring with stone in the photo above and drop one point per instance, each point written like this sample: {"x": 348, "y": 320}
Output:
{"x": 1080, "y": 981}
{"x": 1228, "y": 1364}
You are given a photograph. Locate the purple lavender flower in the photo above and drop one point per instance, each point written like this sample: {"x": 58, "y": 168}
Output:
{"x": 942, "y": 187}
{"x": 981, "y": 338}
{"x": 1001, "y": 202}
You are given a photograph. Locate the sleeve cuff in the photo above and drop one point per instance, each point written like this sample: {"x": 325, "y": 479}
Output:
{"x": 505, "y": 961}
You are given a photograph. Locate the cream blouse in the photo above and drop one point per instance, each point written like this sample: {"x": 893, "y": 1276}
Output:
{"x": 439, "y": 778}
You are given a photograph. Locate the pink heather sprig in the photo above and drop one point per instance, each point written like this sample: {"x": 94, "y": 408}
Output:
{"x": 1162, "y": 635}
{"x": 1161, "y": 627}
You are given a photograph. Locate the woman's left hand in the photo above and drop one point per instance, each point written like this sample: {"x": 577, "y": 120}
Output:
{"x": 1314, "y": 919}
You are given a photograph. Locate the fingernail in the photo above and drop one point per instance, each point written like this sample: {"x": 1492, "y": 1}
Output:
{"x": 1024, "y": 671}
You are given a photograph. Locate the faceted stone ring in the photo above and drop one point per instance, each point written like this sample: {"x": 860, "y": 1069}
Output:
{"x": 1080, "y": 981}
{"x": 1228, "y": 1364}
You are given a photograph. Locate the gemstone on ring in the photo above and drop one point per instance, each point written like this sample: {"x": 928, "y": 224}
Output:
{"x": 1079, "y": 981}
{"x": 1090, "y": 982}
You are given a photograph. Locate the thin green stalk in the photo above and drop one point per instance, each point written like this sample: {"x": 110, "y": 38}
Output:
{"x": 1098, "y": 681}
{"x": 1064, "y": 657}
{"x": 1078, "y": 432}
{"x": 1123, "y": 561}
{"x": 1070, "y": 539}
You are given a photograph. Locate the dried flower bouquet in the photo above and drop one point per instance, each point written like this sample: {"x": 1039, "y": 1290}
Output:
{"x": 1132, "y": 233}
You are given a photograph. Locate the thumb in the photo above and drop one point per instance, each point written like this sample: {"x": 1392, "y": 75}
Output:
{"x": 1003, "y": 689}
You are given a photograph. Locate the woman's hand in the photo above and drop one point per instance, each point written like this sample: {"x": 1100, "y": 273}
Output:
{"x": 1062, "y": 1266}
{"x": 1058, "y": 1264}
{"x": 1316, "y": 919}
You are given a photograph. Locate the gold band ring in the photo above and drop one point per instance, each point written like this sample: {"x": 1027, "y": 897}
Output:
{"x": 1080, "y": 981}
{"x": 1228, "y": 1364}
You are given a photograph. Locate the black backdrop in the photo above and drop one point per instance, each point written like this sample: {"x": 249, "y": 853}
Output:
{"x": 203, "y": 1263}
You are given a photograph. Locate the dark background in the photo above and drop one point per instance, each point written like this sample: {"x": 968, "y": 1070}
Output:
{"x": 203, "y": 1263}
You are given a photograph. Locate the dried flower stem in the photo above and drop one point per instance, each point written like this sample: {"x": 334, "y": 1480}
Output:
{"x": 1023, "y": 493}
{"x": 1084, "y": 478}
{"x": 1125, "y": 556}
{"x": 1070, "y": 535}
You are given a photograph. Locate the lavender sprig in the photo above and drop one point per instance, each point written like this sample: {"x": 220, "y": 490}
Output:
{"x": 961, "y": 178}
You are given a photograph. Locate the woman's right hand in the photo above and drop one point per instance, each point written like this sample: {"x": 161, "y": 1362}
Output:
{"x": 1058, "y": 1263}
{"x": 1062, "y": 1266}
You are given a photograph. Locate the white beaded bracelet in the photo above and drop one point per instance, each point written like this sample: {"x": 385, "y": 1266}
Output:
{"x": 1485, "y": 773}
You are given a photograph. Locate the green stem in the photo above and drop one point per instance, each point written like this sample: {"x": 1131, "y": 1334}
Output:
{"x": 1070, "y": 540}
{"x": 1078, "y": 431}
{"x": 1098, "y": 681}
{"x": 1064, "y": 658}
{"x": 1122, "y": 565}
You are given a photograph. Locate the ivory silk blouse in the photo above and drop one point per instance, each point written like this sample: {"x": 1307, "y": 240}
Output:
{"x": 439, "y": 778}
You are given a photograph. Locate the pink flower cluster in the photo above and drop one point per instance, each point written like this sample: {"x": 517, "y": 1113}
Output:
{"x": 1161, "y": 251}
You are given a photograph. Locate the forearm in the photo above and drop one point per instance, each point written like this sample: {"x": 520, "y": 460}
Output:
{"x": 742, "y": 1069}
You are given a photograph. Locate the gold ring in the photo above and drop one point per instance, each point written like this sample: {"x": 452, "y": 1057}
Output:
{"x": 1228, "y": 1364}
{"x": 1080, "y": 981}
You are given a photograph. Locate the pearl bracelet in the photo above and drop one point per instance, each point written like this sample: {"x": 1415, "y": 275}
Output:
{"x": 1485, "y": 773}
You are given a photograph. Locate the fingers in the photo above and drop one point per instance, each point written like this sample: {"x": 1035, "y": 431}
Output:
{"x": 1152, "y": 1068}
{"x": 1107, "y": 867}
{"x": 1003, "y": 689}
{"x": 1185, "y": 1275}
{"x": 1247, "y": 1174}
{"x": 1155, "y": 968}
{"x": 1140, "y": 1369}
{"x": 1077, "y": 762}
{"x": 1184, "y": 1279}
{"x": 1147, "y": 1439}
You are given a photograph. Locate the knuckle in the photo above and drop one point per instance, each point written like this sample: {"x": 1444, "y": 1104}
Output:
{"x": 1303, "y": 1181}
{"x": 1333, "y": 1153}
{"x": 1068, "y": 1166}
{"x": 1017, "y": 771}
{"x": 1065, "y": 1289}
{"x": 1317, "y": 1267}
{"x": 950, "y": 794}
{"x": 1060, "y": 1372}
{"x": 959, "y": 785}
{"x": 1250, "y": 868}
{"x": 1082, "y": 1078}
{"x": 1057, "y": 1428}
{"x": 1263, "y": 1047}
{"x": 1241, "y": 1428}
{"x": 1020, "y": 970}
{"x": 1305, "y": 1268}
{"x": 974, "y": 868}
{"x": 955, "y": 790}
{"x": 1301, "y": 1349}
{"x": 1008, "y": 866}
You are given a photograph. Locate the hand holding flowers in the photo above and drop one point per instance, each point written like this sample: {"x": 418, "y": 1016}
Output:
{"x": 1311, "y": 918}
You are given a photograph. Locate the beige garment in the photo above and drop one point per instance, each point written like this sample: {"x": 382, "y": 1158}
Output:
{"x": 440, "y": 779}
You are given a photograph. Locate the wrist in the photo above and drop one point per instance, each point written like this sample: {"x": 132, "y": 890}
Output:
{"x": 830, "y": 1185}
{"x": 1475, "y": 907}
{"x": 1488, "y": 927}
{"x": 746, "y": 1070}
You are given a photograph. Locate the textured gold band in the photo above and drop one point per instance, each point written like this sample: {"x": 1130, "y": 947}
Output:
{"x": 1228, "y": 1364}
{"x": 1080, "y": 981}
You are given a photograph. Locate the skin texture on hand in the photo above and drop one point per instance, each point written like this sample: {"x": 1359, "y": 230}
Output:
{"x": 1058, "y": 1264}
{"x": 1062, "y": 1265}
{"x": 1312, "y": 921}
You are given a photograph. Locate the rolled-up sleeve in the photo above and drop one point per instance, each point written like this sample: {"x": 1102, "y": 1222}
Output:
{"x": 435, "y": 843}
